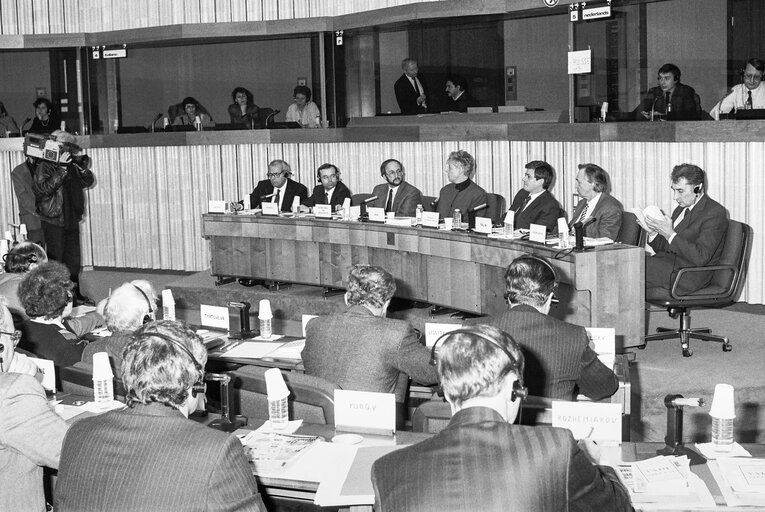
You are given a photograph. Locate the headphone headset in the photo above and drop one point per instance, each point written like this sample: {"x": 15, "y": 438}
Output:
{"x": 149, "y": 317}
{"x": 198, "y": 386}
{"x": 519, "y": 390}
{"x": 543, "y": 261}
{"x": 697, "y": 189}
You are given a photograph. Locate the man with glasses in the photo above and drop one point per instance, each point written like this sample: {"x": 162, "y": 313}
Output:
{"x": 396, "y": 195}
{"x": 279, "y": 188}
{"x": 670, "y": 99}
{"x": 749, "y": 94}
{"x": 31, "y": 434}
{"x": 330, "y": 190}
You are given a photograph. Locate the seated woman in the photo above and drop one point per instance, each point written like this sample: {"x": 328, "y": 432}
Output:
{"x": 127, "y": 308}
{"x": 8, "y": 126}
{"x": 304, "y": 111}
{"x": 244, "y": 111}
{"x": 46, "y": 295}
{"x": 20, "y": 259}
{"x": 190, "y": 112}
{"x": 45, "y": 120}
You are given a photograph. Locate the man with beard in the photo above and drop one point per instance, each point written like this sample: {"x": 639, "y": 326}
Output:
{"x": 396, "y": 195}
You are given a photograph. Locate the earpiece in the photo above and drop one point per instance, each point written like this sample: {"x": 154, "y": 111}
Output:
{"x": 149, "y": 317}
{"x": 697, "y": 189}
{"x": 198, "y": 386}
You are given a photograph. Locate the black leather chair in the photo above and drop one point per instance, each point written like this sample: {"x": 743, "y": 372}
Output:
{"x": 427, "y": 203}
{"x": 497, "y": 205}
{"x": 630, "y": 233}
{"x": 357, "y": 199}
{"x": 728, "y": 278}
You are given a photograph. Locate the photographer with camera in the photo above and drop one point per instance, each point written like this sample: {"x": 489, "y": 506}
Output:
{"x": 59, "y": 181}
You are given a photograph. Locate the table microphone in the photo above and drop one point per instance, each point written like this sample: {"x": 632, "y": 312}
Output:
{"x": 369, "y": 200}
{"x": 268, "y": 196}
{"x": 471, "y": 214}
{"x": 579, "y": 232}
{"x": 363, "y": 215}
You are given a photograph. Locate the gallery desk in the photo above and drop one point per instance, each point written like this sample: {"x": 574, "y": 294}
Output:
{"x": 602, "y": 287}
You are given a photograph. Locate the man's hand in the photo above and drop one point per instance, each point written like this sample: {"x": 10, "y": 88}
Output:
{"x": 65, "y": 158}
{"x": 591, "y": 449}
{"x": 646, "y": 115}
{"x": 663, "y": 226}
{"x": 421, "y": 99}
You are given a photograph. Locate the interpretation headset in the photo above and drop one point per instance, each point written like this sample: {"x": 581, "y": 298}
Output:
{"x": 198, "y": 386}
{"x": 519, "y": 390}
{"x": 149, "y": 317}
{"x": 543, "y": 261}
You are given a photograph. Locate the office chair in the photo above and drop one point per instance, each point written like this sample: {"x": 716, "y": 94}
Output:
{"x": 497, "y": 205}
{"x": 728, "y": 278}
{"x": 427, "y": 203}
{"x": 630, "y": 233}
{"x": 357, "y": 199}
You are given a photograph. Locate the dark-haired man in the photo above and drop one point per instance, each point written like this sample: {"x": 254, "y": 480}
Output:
{"x": 670, "y": 99}
{"x": 330, "y": 189}
{"x": 459, "y": 97}
{"x": 534, "y": 204}
{"x": 396, "y": 195}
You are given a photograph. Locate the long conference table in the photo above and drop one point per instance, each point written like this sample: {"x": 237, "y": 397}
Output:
{"x": 600, "y": 287}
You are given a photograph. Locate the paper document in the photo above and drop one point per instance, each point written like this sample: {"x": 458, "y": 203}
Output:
{"x": 271, "y": 453}
{"x": 256, "y": 350}
{"x": 740, "y": 480}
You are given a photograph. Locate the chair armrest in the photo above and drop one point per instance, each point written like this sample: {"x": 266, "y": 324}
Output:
{"x": 690, "y": 270}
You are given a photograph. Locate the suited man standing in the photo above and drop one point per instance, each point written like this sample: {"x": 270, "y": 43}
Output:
{"x": 331, "y": 190}
{"x": 534, "y": 204}
{"x": 693, "y": 236}
{"x": 411, "y": 90}
{"x": 481, "y": 461}
{"x": 559, "y": 360}
{"x": 396, "y": 195}
{"x": 592, "y": 185}
{"x": 279, "y": 188}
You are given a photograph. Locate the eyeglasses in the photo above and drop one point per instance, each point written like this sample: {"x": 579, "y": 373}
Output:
{"x": 753, "y": 77}
{"x": 399, "y": 172}
{"x": 15, "y": 336}
{"x": 274, "y": 174}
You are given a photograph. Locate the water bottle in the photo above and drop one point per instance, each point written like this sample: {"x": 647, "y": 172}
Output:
{"x": 278, "y": 413}
{"x": 457, "y": 219}
{"x": 418, "y": 216}
{"x": 722, "y": 434}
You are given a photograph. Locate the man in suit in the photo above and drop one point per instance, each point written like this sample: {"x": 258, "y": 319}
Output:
{"x": 411, "y": 90}
{"x": 31, "y": 434}
{"x": 481, "y": 461}
{"x": 363, "y": 350}
{"x": 461, "y": 193}
{"x": 278, "y": 188}
{"x": 331, "y": 190}
{"x": 693, "y": 236}
{"x": 593, "y": 185}
{"x": 150, "y": 456}
{"x": 670, "y": 99}
{"x": 559, "y": 360}
{"x": 23, "y": 185}
{"x": 749, "y": 94}
{"x": 459, "y": 97}
{"x": 396, "y": 195}
{"x": 534, "y": 204}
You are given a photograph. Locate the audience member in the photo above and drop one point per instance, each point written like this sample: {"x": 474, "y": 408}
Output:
{"x": 693, "y": 236}
{"x": 593, "y": 186}
{"x": 191, "y": 112}
{"x": 279, "y": 188}
{"x": 480, "y": 461}
{"x": 60, "y": 201}
{"x": 749, "y": 94}
{"x": 22, "y": 177}
{"x": 243, "y": 111}
{"x": 411, "y": 89}
{"x": 19, "y": 261}
{"x": 8, "y": 124}
{"x": 670, "y": 99}
{"x": 303, "y": 110}
{"x": 45, "y": 120}
{"x": 31, "y": 434}
{"x": 459, "y": 97}
{"x": 361, "y": 349}
{"x": 330, "y": 190}
{"x": 461, "y": 193}
{"x": 534, "y": 204}
{"x": 150, "y": 456}
{"x": 396, "y": 195}
{"x": 559, "y": 360}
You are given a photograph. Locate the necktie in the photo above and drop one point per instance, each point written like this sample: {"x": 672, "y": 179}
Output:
{"x": 326, "y": 197}
{"x": 680, "y": 217}
{"x": 389, "y": 202}
{"x": 669, "y": 105}
{"x": 584, "y": 212}
{"x": 276, "y": 197}
{"x": 525, "y": 203}
{"x": 749, "y": 100}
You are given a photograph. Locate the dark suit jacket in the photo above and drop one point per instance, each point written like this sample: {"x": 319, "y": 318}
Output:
{"x": 699, "y": 241}
{"x": 462, "y": 103}
{"x": 265, "y": 187}
{"x": 406, "y": 95}
{"x": 543, "y": 210}
{"x": 404, "y": 202}
{"x": 683, "y": 101}
{"x": 338, "y": 196}
{"x": 608, "y": 217}
{"x": 362, "y": 352}
{"x": 481, "y": 462}
{"x": 558, "y": 356}
{"x": 151, "y": 457}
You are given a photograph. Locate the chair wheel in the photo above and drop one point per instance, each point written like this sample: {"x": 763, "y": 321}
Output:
{"x": 687, "y": 352}
{"x": 726, "y": 347}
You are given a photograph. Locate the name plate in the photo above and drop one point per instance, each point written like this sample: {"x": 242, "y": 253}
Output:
{"x": 434, "y": 330}
{"x": 355, "y": 212}
{"x": 376, "y": 214}
{"x": 365, "y": 412}
{"x": 430, "y": 219}
{"x": 323, "y": 211}
{"x": 217, "y": 206}
{"x": 537, "y": 233}
{"x": 588, "y": 420}
{"x": 270, "y": 208}
{"x": 603, "y": 343}
{"x": 483, "y": 225}
{"x": 46, "y": 373}
{"x": 214, "y": 316}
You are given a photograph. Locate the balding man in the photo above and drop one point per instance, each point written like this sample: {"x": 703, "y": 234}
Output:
{"x": 278, "y": 188}
{"x": 411, "y": 90}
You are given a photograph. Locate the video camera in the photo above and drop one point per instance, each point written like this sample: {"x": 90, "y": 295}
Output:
{"x": 47, "y": 147}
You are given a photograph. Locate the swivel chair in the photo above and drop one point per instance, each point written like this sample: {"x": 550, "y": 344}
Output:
{"x": 630, "y": 233}
{"x": 497, "y": 205}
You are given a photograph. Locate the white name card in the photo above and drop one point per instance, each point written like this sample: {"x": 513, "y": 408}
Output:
{"x": 376, "y": 214}
{"x": 323, "y": 211}
{"x": 603, "y": 343}
{"x": 306, "y": 318}
{"x": 434, "y": 330}
{"x": 366, "y": 412}
{"x": 214, "y": 316}
{"x": 46, "y": 373}
{"x": 216, "y": 206}
{"x": 537, "y": 233}
{"x": 355, "y": 212}
{"x": 430, "y": 219}
{"x": 483, "y": 225}
{"x": 588, "y": 420}
{"x": 270, "y": 208}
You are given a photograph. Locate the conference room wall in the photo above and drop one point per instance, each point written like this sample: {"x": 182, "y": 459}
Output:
{"x": 17, "y": 94}
{"x": 394, "y": 47}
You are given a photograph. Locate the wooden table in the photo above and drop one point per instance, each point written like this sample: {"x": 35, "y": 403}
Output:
{"x": 602, "y": 287}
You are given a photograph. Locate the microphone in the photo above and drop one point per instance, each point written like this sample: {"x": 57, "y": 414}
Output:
{"x": 270, "y": 117}
{"x": 369, "y": 200}
{"x": 584, "y": 224}
{"x": 653, "y": 107}
{"x": 268, "y": 196}
{"x": 477, "y": 208}
{"x": 579, "y": 233}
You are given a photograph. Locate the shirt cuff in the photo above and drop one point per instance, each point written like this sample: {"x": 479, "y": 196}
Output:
{"x": 671, "y": 237}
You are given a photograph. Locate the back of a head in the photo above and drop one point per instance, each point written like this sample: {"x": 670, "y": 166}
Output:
{"x": 530, "y": 281}
{"x": 464, "y": 160}
{"x": 24, "y": 256}
{"x": 369, "y": 285}
{"x": 128, "y": 306}
{"x": 46, "y": 290}
{"x": 155, "y": 366}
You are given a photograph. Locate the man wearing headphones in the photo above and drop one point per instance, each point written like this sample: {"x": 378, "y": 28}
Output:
{"x": 330, "y": 189}
{"x": 480, "y": 461}
{"x": 279, "y": 188}
{"x": 670, "y": 99}
{"x": 694, "y": 235}
{"x": 150, "y": 456}
{"x": 749, "y": 94}
{"x": 559, "y": 360}
{"x": 396, "y": 195}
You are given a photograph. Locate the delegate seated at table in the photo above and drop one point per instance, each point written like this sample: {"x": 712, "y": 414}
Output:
{"x": 593, "y": 185}
{"x": 749, "y": 94}
{"x": 331, "y": 190}
{"x": 279, "y": 188}
{"x": 461, "y": 193}
{"x": 534, "y": 204}
{"x": 396, "y": 195}
{"x": 191, "y": 112}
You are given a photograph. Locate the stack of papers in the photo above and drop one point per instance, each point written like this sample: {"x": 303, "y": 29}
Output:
{"x": 663, "y": 482}
{"x": 290, "y": 350}
{"x": 741, "y": 480}
{"x": 271, "y": 453}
